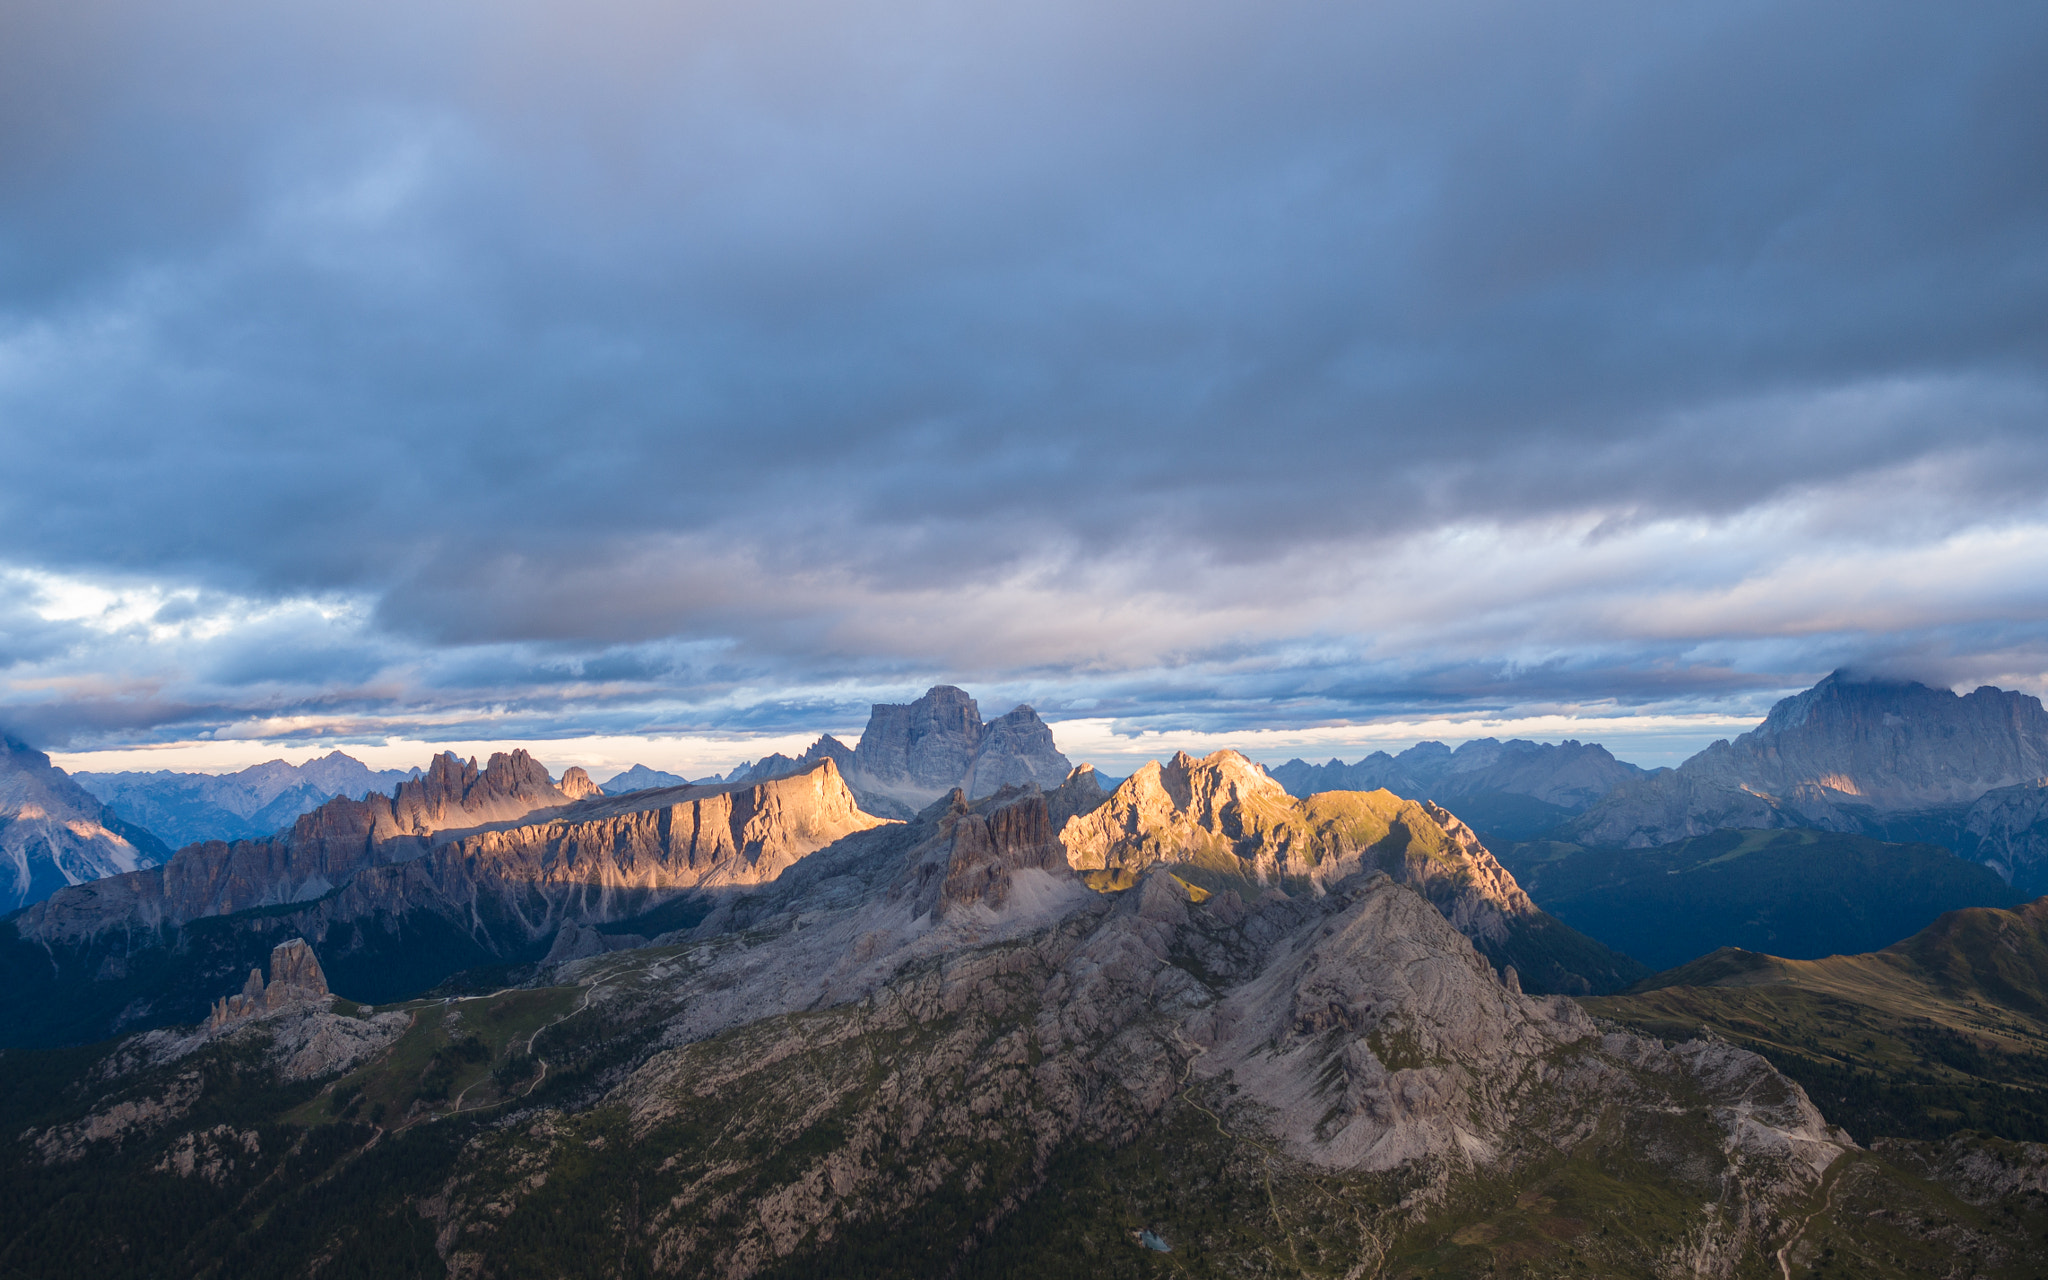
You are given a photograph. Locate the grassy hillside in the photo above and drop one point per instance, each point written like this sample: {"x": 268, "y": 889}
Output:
{"x": 1802, "y": 894}
{"x": 1947, "y": 1030}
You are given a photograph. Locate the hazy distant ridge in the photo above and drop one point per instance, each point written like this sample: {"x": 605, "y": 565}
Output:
{"x": 185, "y": 808}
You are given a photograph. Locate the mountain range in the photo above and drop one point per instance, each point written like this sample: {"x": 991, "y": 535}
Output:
{"x": 186, "y": 808}
{"x": 1894, "y": 760}
{"x": 933, "y": 1047}
{"x": 466, "y": 867}
{"x": 1799, "y": 893}
{"x": 1187, "y": 1024}
{"x": 1507, "y": 790}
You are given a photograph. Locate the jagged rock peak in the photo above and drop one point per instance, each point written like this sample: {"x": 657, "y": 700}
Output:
{"x": 1081, "y": 793}
{"x": 576, "y": 784}
{"x": 982, "y": 850}
{"x": 1223, "y": 816}
{"x": 642, "y": 778}
{"x": 295, "y": 979}
{"x": 928, "y": 744}
{"x": 454, "y": 792}
{"x": 778, "y": 765}
{"x": 914, "y": 753}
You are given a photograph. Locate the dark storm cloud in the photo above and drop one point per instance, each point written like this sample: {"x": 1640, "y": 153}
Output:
{"x": 561, "y": 342}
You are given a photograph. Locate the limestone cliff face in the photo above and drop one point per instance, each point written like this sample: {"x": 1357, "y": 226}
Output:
{"x": 1222, "y": 814}
{"x": 607, "y": 860}
{"x": 912, "y": 754}
{"x": 324, "y": 849}
{"x": 978, "y": 850}
{"x": 53, "y": 833}
{"x": 1836, "y": 757}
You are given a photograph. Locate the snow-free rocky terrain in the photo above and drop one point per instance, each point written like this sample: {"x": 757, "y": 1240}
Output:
{"x": 935, "y": 1048}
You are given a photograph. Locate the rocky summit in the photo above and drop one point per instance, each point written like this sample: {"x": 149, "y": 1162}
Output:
{"x": 913, "y": 753}
{"x": 1221, "y": 820}
{"x": 295, "y": 977}
{"x": 1896, "y": 760}
{"x": 54, "y": 834}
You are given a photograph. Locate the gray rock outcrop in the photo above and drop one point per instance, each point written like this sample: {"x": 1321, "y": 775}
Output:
{"x": 295, "y": 978}
{"x": 913, "y": 753}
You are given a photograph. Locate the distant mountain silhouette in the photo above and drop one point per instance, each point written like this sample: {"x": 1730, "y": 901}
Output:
{"x": 1889, "y": 759}
{"x": 184, "y": 808}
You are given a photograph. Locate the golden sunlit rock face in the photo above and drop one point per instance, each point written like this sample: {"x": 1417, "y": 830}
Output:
{"x": 1222, "y": 817}
{"x": 322, "y": 849}
{"x": 437, "y": 845}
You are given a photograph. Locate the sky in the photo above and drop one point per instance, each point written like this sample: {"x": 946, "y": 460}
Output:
{"x": 668, "y": 382}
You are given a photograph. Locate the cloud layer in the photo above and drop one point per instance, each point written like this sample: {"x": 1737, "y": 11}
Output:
{"x": 453, "y": 371}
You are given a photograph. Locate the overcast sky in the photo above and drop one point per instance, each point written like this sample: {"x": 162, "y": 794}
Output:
{"x": 670, "y": 381}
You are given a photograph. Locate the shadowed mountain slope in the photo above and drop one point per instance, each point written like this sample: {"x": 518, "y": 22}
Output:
{"x": 1886, "y": 759}
{"x": 53, "y": 833}
{"x": 1943, "y": 1031}
{"x": 1796, "y": 893}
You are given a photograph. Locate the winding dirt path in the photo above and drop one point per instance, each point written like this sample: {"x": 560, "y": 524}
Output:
{"x": 1828, "y": 1184}
{"x": 457, "y": 1108}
